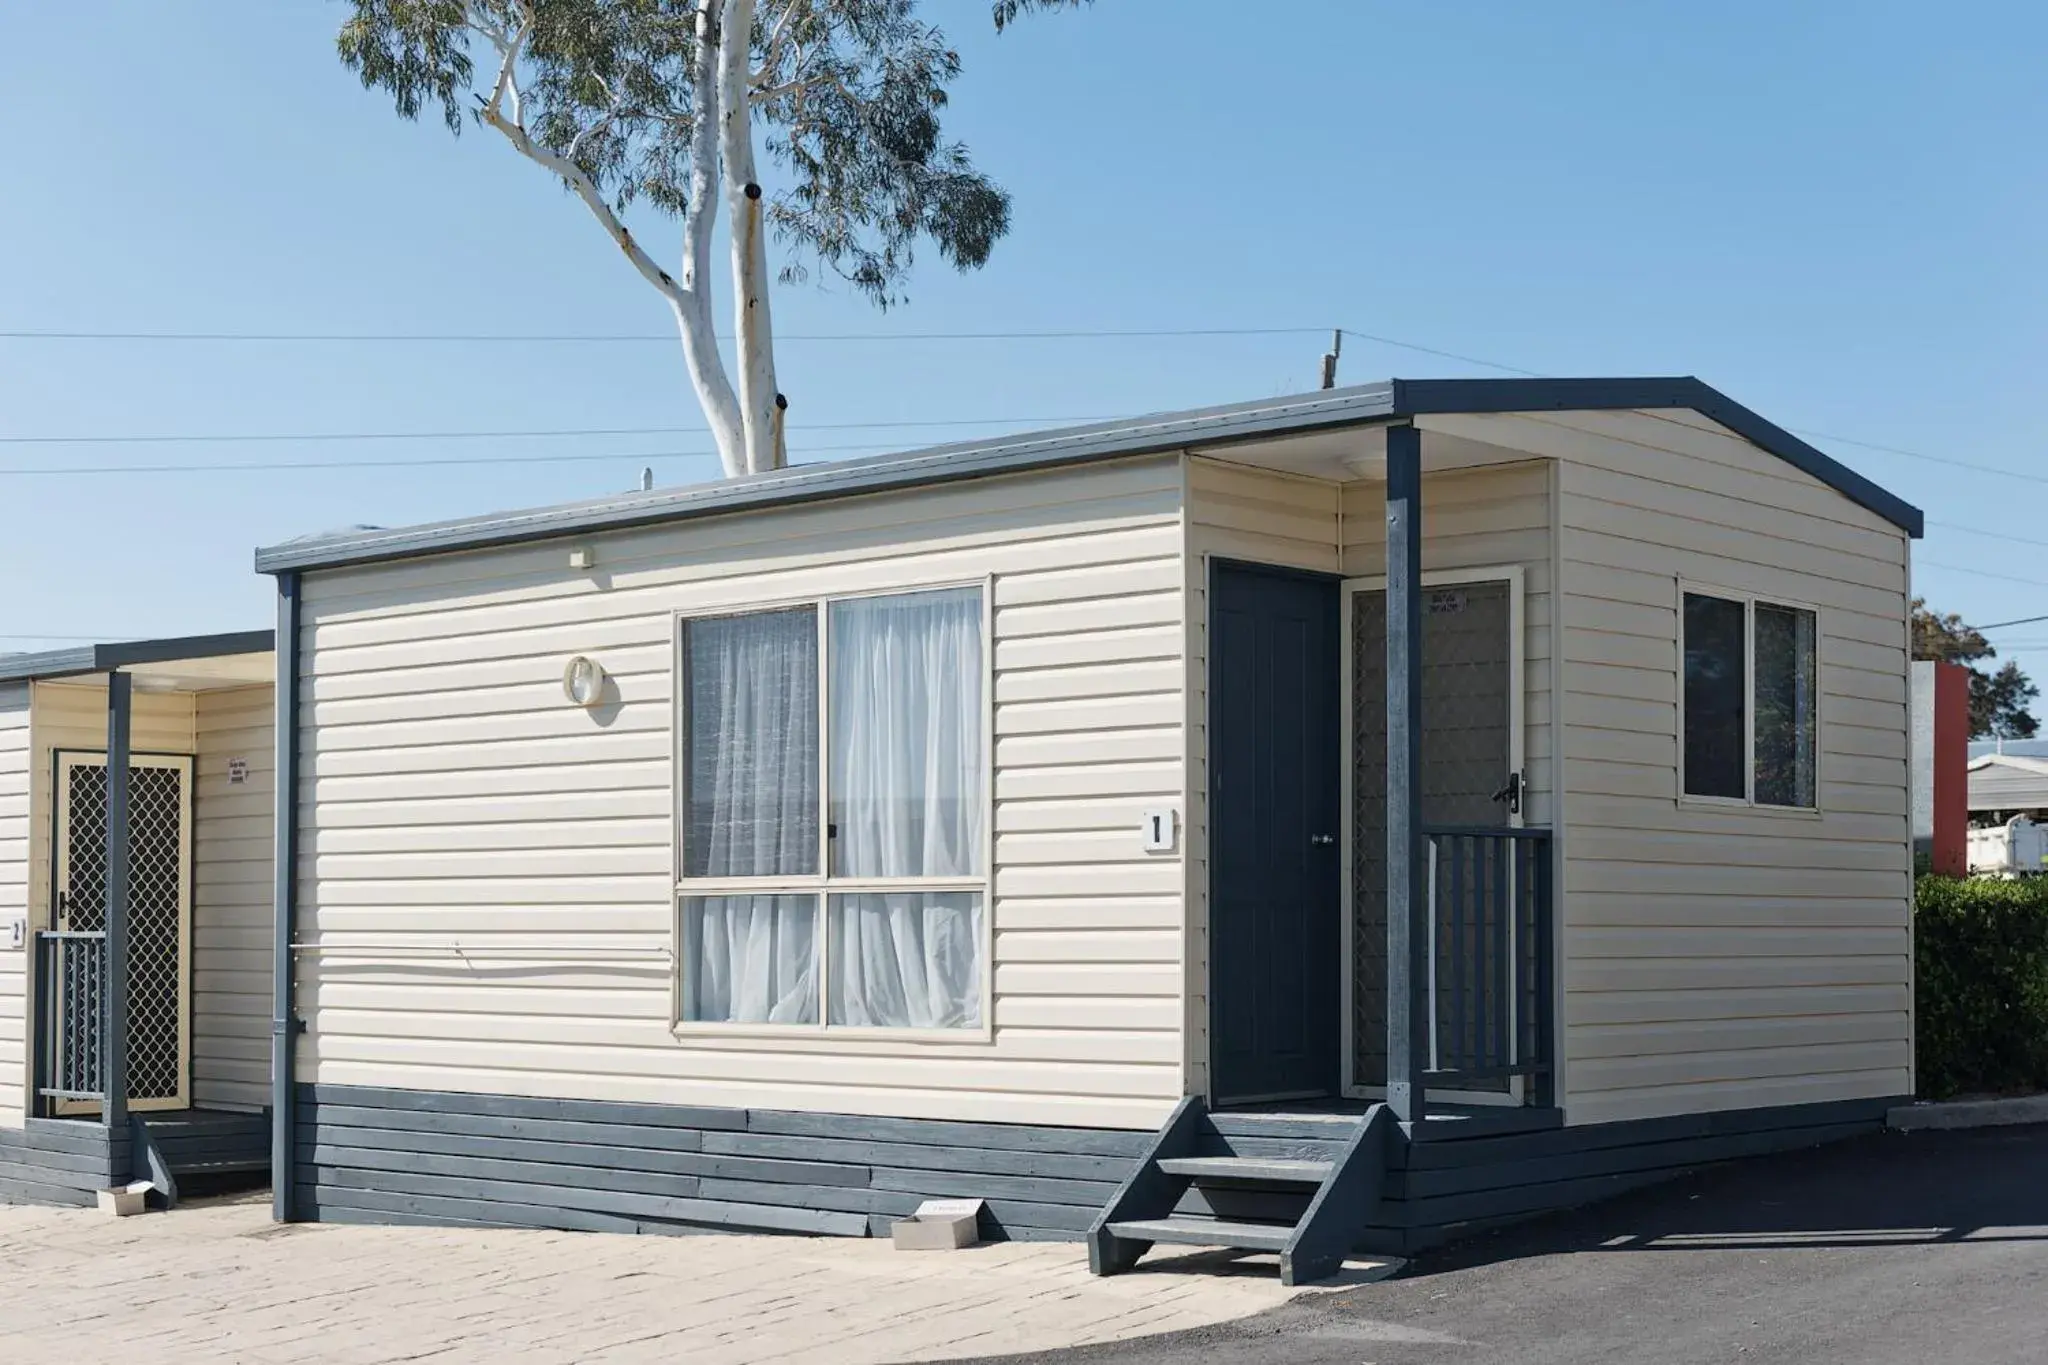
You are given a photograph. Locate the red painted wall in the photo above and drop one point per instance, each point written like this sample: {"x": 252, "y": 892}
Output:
{"x": 1951, "y": 849}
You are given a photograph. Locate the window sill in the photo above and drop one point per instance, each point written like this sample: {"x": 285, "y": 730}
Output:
{"x": 1741, "y": 804}
{"x": 829, "y": 1034}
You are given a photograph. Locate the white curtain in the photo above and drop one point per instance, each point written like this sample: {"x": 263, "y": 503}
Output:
{"x": 907, "y": 800}
{"x": 907, "y": 959}
{"x": 752, "y": 710}
{"x": 752, "y": 790}
{"x": 750, "y": 959}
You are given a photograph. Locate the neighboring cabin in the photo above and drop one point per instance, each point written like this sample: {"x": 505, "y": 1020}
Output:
{"x": 194, "y": 717}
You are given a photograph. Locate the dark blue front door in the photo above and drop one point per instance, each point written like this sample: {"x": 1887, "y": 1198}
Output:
{"x": 1274, "y": 942}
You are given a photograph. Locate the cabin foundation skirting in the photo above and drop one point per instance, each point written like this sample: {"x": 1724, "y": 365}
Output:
{"x": 57, "y": 1161}
{"x": 375, "y": 1155}
{"x": 1440, "y": 1189}
{"x": 372, "y": 1155}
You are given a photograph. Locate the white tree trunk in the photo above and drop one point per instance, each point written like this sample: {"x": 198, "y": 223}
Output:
{"x": 759, "y": 403}
{"x": 689, "y": 299}
{"x": 693, "y": 311}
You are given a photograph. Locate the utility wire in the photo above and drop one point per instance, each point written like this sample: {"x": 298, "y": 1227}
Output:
{"x": 1062, "y": 334}
{"x": 1982, "y": 573}
{"x": 410, "y": 463}
{"x": 637, "y": 338}
{"x": 193, "y": 439}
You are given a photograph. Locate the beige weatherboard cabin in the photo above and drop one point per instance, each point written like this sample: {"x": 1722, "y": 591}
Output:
{"x": 1318, "y": 823}
{"x": 155, "y": 871}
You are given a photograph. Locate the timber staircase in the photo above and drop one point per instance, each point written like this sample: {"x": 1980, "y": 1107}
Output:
{"x": 1304, "y": 1186}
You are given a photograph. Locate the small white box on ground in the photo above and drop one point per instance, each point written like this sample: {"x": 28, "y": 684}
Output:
{"x": 127, "y": 1200}
{"x": 939, "y": 1225}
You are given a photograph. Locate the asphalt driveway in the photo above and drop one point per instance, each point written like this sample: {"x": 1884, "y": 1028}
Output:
{"x": 1890, "y": 1250}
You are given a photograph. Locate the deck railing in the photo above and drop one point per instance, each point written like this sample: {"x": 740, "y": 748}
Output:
{"x": 71, "y": 998}
{"x": 1491, "y": 948}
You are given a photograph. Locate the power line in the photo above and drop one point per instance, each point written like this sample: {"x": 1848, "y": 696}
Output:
{"x": 1058, "y": 334}
{"x": 2022, "y": 621}
{"x": 536, "y": 433}
{"x": 1443, "y": 355}
{"x": 1982, "y": 573}
{"x": 639, "y": 338}
{"x": 412, "y": 463}
{"x": 1989, "y": 535}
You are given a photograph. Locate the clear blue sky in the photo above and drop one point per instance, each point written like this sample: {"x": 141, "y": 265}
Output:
{"x": 1833, "y": 211}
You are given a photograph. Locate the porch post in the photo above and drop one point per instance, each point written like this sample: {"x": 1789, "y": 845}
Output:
{"x": 1407, "y": 890}
{"x": 114, "y": 1016}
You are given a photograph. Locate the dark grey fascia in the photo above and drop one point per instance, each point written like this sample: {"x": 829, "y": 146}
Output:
{"x": 1392, "y": 400}
{"x": 844, "y": 478}
{"x": 1423, "y": 397}
{"x": 69, "y": 663}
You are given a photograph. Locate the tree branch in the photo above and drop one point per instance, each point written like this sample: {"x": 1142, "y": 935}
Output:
{"x": 772, "y": 63}
{"x": 509, "y": 47}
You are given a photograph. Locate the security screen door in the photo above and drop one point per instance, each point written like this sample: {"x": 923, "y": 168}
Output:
{"x": 1471, "y": 767}
{"x": 159, "y": 907}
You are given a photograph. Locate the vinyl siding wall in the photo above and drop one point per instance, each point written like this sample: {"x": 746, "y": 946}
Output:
{"x": 232, "y": 891}
{"x": 1722, "y": 958}
{"x": 14, "y": 862}
{"x": 1478, "y": 518}
{"x": 452, "y": 798}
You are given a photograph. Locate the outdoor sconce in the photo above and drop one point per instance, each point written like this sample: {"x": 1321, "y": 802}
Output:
{"x": 583, "y": 681}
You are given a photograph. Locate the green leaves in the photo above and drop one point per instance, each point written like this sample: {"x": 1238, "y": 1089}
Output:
{"x": 1007, "y": 11}
{"x": 1999, "y": 701}
{"x": 418, "y": 50}
{"x": 848, "y": 95}
{"x": 1981, "y": 986}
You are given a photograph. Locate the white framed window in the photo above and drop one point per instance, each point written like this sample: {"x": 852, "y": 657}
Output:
{"x": 1749, "y": 700}
{"x": 833, "y": 814}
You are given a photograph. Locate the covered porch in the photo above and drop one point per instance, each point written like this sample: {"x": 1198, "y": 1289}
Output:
{"x": 150, "y": 820}
{"x": 1375, "y": 871}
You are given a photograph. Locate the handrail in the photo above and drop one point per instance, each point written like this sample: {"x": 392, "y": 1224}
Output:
{"x": 1490, "y": 958}
{"x": 70, "y": 1015}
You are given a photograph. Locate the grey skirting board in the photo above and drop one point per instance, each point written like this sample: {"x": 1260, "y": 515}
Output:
{"x": 368, "y": 1154}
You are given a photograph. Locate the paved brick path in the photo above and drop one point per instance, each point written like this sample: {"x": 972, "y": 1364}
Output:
{"x": 219, "y": 1283}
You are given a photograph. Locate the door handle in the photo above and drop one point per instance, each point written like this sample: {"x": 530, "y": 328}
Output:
{"x": 1511, "y": 794}
{"x": 1322, "y": 838}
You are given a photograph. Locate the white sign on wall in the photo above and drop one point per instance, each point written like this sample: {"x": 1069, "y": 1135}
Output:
{"x": 1157, "y": 830}
{"x": 238, "y": 771}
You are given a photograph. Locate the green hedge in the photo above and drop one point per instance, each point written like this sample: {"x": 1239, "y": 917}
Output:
{"x": 1981, "y": 985}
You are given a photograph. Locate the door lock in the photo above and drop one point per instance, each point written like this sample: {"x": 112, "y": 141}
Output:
{"x": 1511, "y": 794}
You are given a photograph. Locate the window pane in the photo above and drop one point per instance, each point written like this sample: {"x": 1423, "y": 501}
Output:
{"x": 750, "y": 959}
{"x": 1714, "y": 744}
{"x": 907, "y": 960}
{"x": 1787, "y": 706}
{"x": 906, "y": 735}
{"x": 750, "y": 699}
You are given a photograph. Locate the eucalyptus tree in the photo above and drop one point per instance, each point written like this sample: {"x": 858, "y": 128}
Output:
{"x": 674, "y": 105}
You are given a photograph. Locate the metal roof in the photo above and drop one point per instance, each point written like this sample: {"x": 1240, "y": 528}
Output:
{"x": 1390, "y": 401}
{"x": 67, "y": 663}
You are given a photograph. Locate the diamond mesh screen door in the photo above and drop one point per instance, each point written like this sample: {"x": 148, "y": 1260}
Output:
{"x": 1471, "y": 742}
{"x": 159, "y": 905}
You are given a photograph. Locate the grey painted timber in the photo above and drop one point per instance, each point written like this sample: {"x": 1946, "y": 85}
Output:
{"x": 61, "y": 1161}
{"x": 369, "y": 1154}
{"x": 365, "y": 1153}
